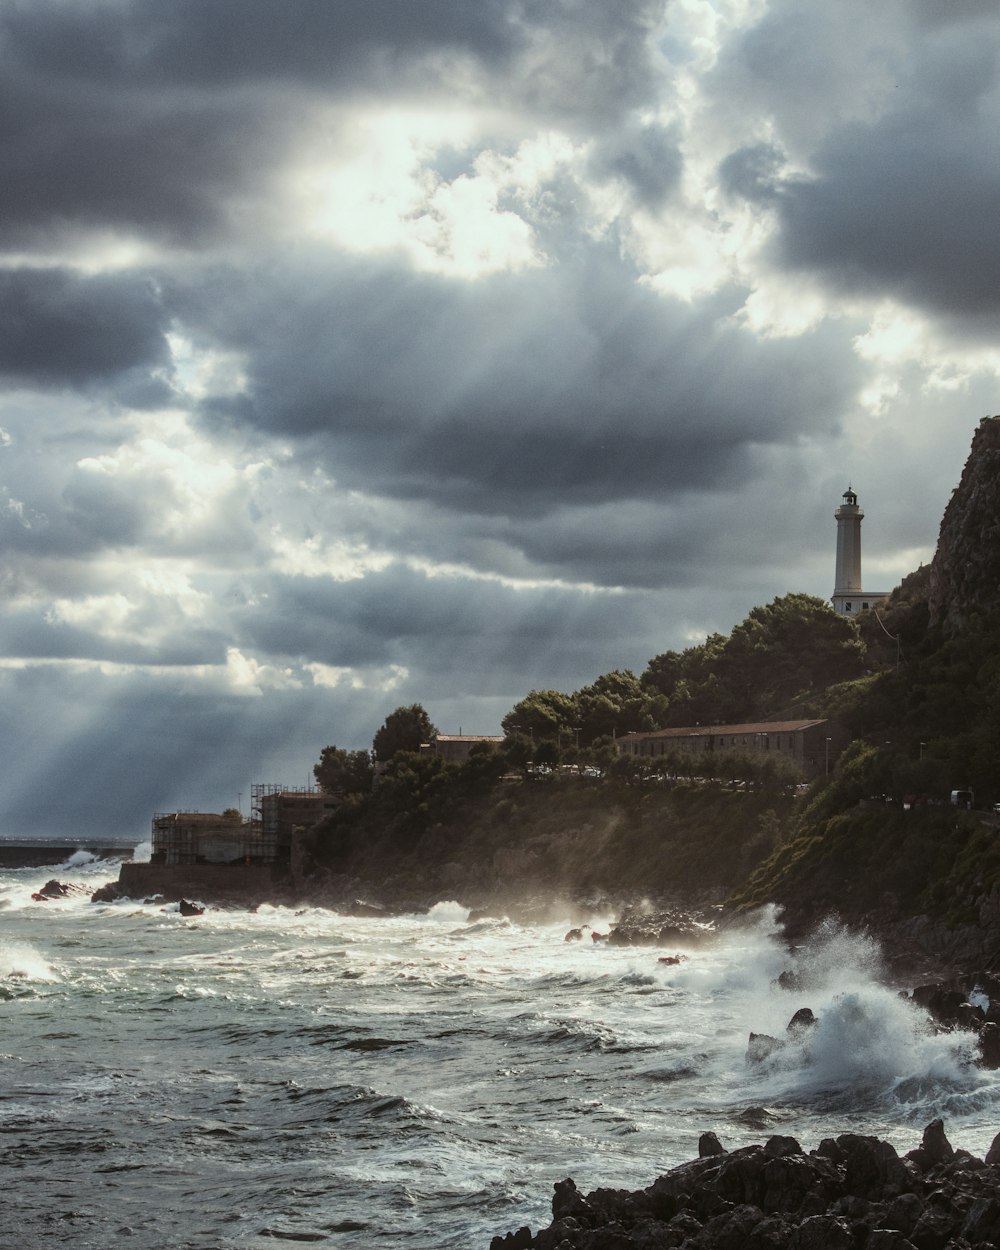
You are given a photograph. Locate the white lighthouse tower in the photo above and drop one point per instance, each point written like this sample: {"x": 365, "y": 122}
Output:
{"x": 848, "y": 597}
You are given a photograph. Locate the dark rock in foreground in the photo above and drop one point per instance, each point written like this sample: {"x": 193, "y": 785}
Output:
{"x": 850, "y": 1193}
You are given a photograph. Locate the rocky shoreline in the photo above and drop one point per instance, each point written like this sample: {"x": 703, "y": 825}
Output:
{"x": 851, "y": 1193}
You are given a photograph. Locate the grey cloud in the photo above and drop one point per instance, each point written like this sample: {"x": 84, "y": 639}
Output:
{"x": 171, "y": 120}
{"x": 87, "y": 157}
{"x": 61, "y": 328}
{"x": 457, "y": 634}
{"x": 906, "y": 206}
{"x": 893, "y": 110}
{"x": 240, "y": 40}
{"x": 753, "y": 172}
{"x": 646, "y": 157}
{"x": 124, "y": 747}
{"x": 34, "y": 635}
{"x": 568, "y": 386}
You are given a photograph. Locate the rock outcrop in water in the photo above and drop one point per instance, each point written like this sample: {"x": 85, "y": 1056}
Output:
{"x": 851, "y": 1193}
{"x": 643, "y": 926}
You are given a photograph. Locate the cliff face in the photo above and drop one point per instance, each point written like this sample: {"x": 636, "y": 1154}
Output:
{"x": 965, "y": 573}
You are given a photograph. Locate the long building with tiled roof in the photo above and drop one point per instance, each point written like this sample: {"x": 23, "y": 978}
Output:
{"x": 813, "y": 744}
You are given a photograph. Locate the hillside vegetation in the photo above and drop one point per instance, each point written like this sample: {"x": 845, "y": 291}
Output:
{"x": 555, "y": 811}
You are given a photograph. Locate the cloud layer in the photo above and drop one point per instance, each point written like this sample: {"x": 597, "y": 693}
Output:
{"x": 355, "y": 355}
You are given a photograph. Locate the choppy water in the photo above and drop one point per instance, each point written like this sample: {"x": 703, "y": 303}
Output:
{"x": 239, "y": 1080}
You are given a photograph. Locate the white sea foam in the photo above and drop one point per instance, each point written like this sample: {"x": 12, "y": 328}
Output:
{"x": 448, "y": 911}
{"x": 23, "y": 962}
{"x": 867, "y": 1044}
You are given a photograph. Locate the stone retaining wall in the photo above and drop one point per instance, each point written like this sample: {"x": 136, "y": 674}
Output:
{"x": 202, "y": 882}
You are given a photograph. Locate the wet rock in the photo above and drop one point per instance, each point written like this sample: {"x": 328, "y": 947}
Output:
{"x": 903, "y": 1213}
{"x": 944, "y": 1004}
{"x": 567, "y": 1200}
{"x": 935, "y": 1144}
{"x": 709, "y": 1144}
{"x": 934, "y": 1228}
{"x": 801, "y": 1023}
{"x": 636, "y": 927}
{"x": 520, "y": 1240}
{"x": 755, "y": 1117}
{"x": 982, "y": 1223}
{"x": 54, "y": 889}
{"x": 106, "y": 893}
{"x": 822, "y": 1232}
{"x": 872, "y": 1167}
{"x": 762, "y": 1046}
{"x": 989, "y": 1045}
{"x": 574, "y": 935}
{"x": 887, "y": 1239}
{"x": 852, "y": 1193}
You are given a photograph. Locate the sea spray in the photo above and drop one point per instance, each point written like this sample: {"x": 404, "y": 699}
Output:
{"x": 22, "y": 962}
{"x": 868, "y": 1047}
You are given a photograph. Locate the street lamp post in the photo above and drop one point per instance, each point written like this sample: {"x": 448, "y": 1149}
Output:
{"x": 827, "y": 757}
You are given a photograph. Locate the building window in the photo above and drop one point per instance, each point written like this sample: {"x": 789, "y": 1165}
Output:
{"x": 864, "y": 607}
{"x": 847, "y": 606}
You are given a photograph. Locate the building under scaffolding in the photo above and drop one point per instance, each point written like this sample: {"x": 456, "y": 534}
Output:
{"x": 266, "y": 838}
{"x": 279, "y": 811}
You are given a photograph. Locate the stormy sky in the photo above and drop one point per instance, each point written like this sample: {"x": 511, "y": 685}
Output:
{"x": 362, "y": 353}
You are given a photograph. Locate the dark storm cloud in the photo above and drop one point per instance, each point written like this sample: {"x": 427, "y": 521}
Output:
{"x": 227, "y": 41}
{"x": 111, "y": 753}
{"x": 564, "y": 386}
{"x": 58, "y": 327}
{"x": 906, "y": 207}
{"x": 646, "y": 157}
{"x": 894, "y": 112}
{"x": 34, "y": 634}
{"x": 752, "y": 172}
{"x": 170, "y": 120}
{"x": 95, "y": 157}
{"x": 447, "y": 629}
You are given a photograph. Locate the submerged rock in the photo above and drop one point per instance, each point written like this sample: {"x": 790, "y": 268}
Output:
{"x": 852, "y": 1193}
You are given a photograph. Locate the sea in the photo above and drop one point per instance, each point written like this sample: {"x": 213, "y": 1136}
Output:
{"x": 286, "y": 1076}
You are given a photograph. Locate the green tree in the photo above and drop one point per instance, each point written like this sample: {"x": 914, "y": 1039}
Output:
{"x": 616, "y": 704}
{"x": 782, "y": 653}
{"x": 542, "y": 714}
{"x": 518, "y": 751}
{"x": 343, "y": 772}
{"x": 403, "y": 730}
{"x": 414, "y": 792}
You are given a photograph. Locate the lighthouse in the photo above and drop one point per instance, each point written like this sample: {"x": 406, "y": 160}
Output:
{"x": 848, "y": 596}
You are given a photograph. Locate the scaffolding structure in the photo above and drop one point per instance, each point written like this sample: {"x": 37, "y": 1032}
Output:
{"x": 280, "y": 810}
{"x": 276, "y": 812}
{"x": 201, "y": 838}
